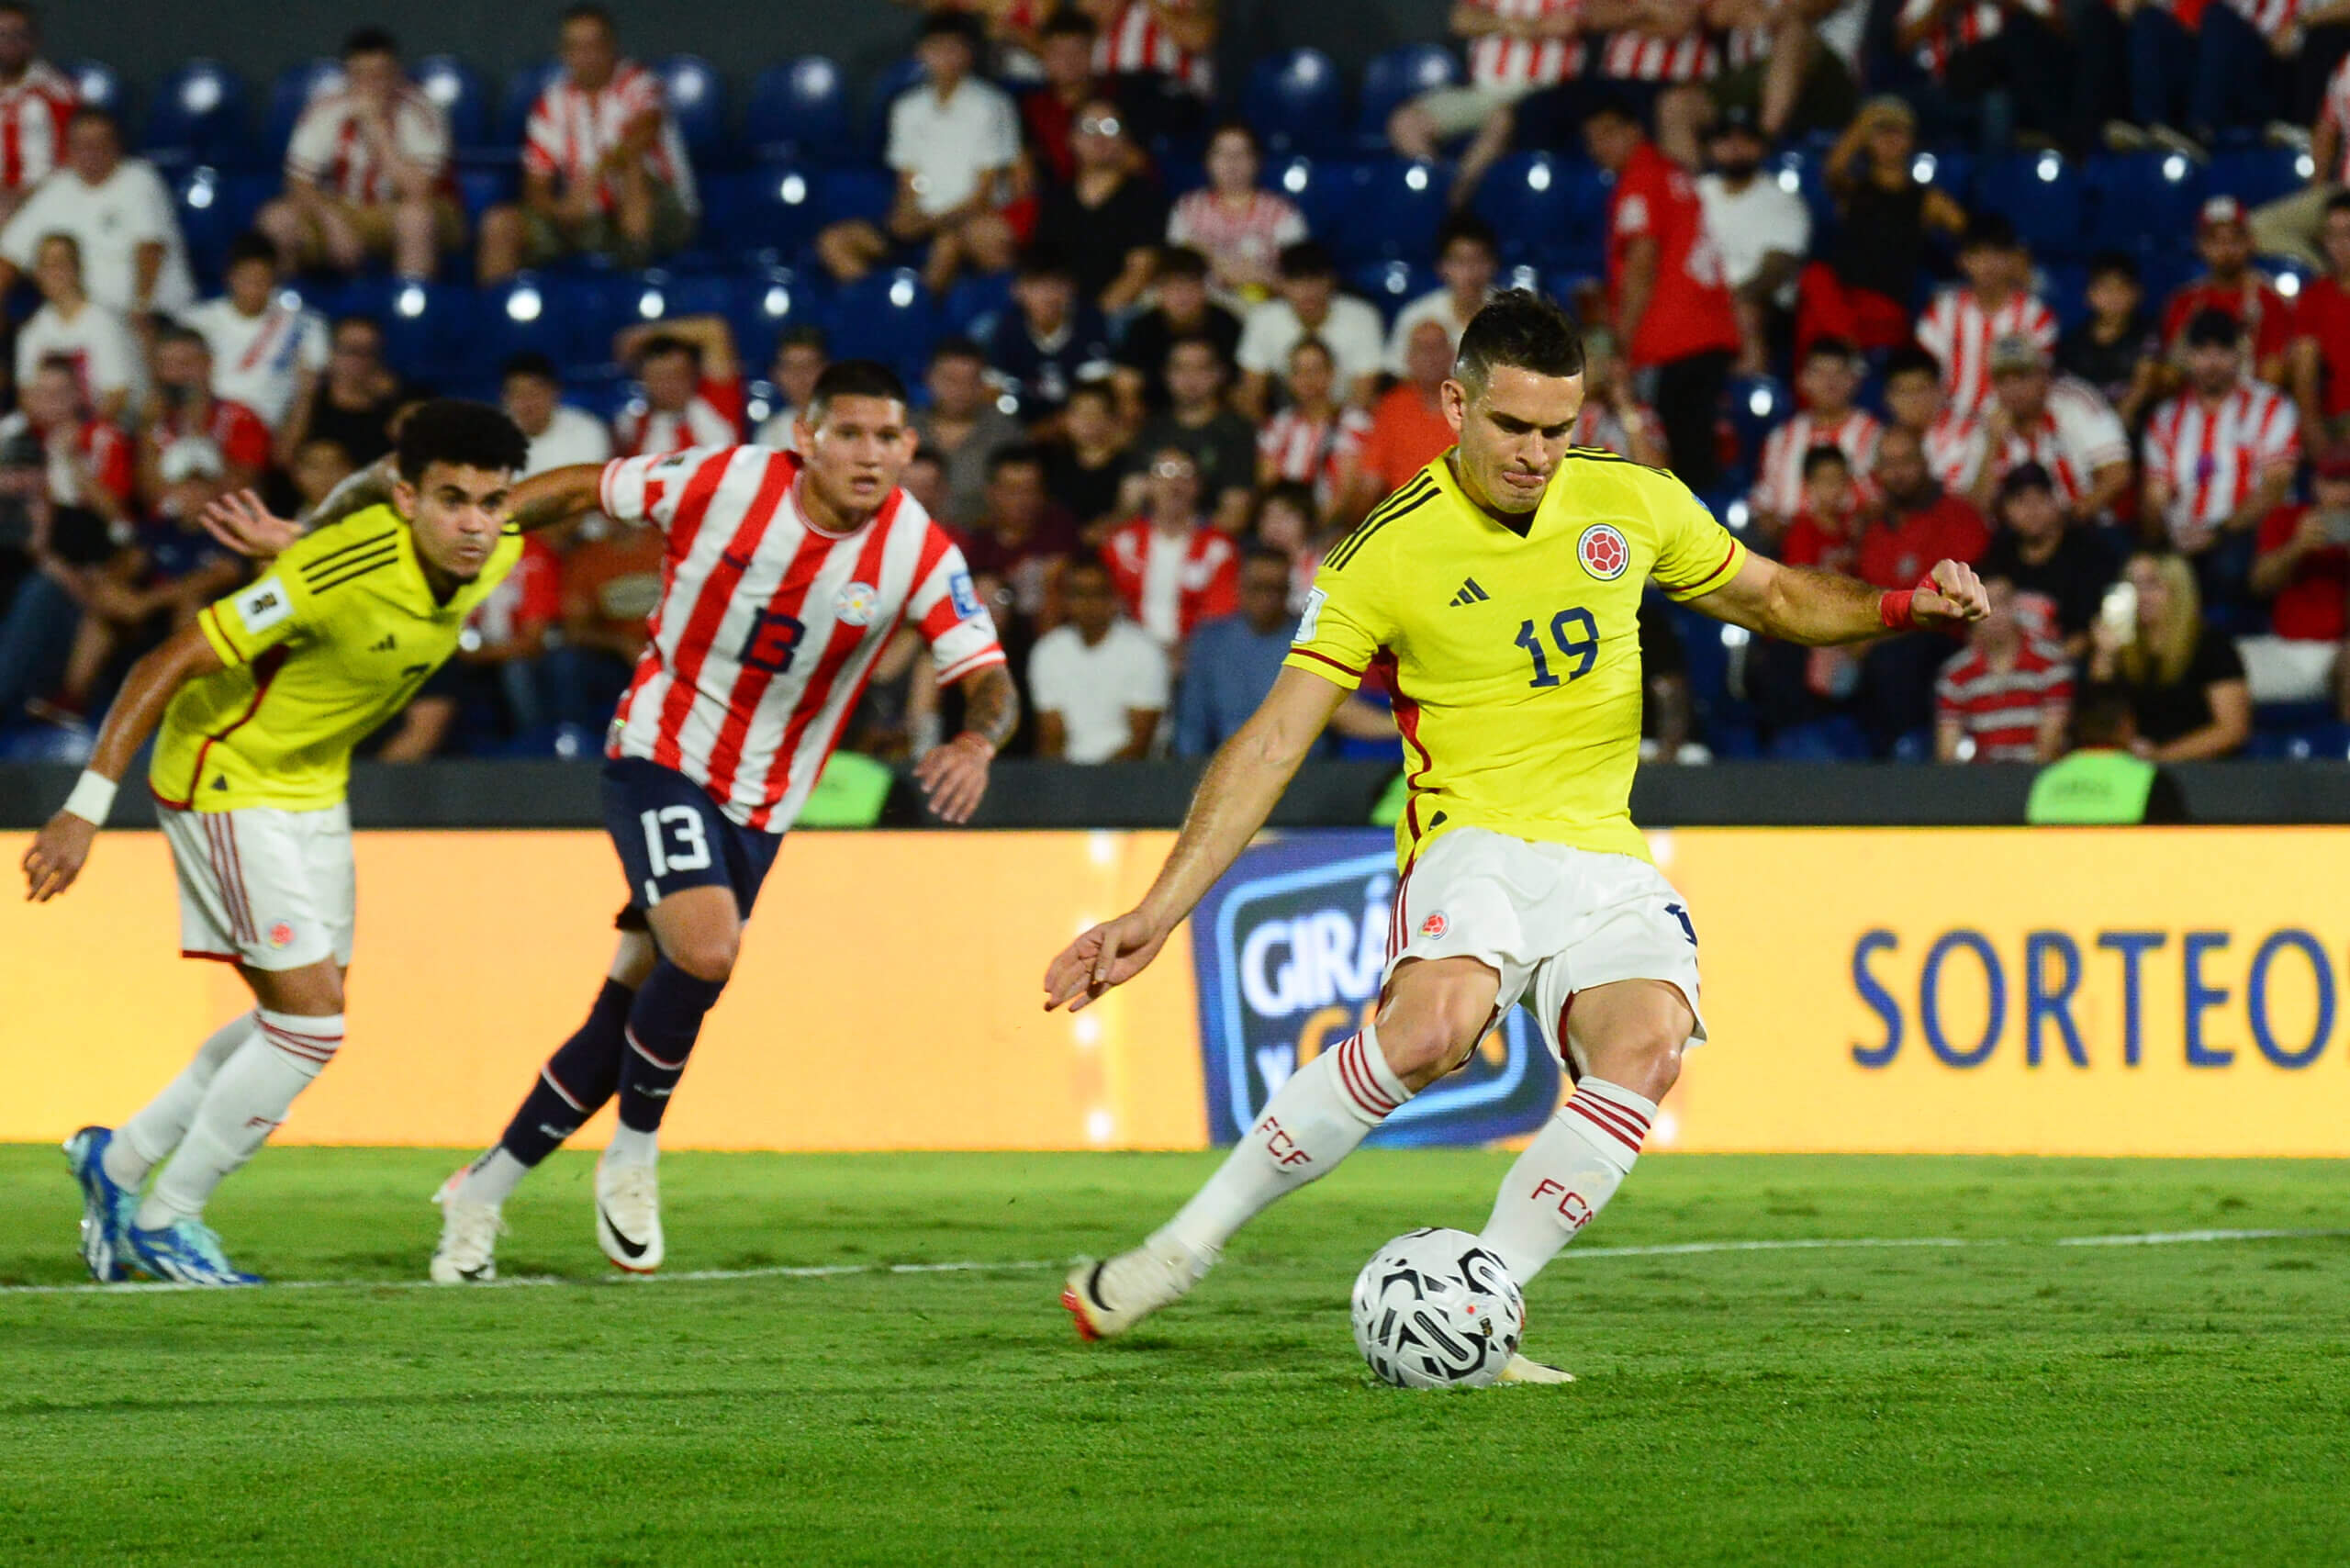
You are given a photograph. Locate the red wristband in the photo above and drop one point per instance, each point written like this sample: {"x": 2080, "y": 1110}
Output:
{"x": 1898, "y": 609}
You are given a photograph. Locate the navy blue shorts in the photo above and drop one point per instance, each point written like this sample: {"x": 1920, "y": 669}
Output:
{"x": 671, "y": 835}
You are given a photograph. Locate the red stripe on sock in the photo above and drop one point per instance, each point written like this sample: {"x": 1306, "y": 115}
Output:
{"x": 1369, "y": 1077}
{"x": 1630, "y": 1121}
{"x": 1356, "y": 1080}
{"x": 638, "y": 1047}
{"x": 1578, "y": 1107}
{"x": 561, "y": 1092}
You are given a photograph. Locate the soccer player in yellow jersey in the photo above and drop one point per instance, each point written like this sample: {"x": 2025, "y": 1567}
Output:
{"x": 259, "y": 703}
{"x": 1497, "y": 593}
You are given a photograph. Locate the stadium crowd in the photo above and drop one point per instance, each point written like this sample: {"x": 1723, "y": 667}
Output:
{"x": 2046, "y": 288}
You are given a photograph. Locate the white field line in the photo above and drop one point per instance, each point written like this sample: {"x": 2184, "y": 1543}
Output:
{"x": 836, "y": 1270}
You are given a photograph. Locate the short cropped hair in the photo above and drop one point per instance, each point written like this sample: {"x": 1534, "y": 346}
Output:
{"x": 533, "y": 365}
{"x": 853, "y": 378}
{"x": 1520, "y": 329}
{"x": 461, "y": 433}
{"x": 1825, "y": 455}
{"x": 369, "y": 41}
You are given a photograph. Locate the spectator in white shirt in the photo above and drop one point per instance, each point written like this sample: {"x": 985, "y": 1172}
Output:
{"x": 801, "y": 356}
{"x": 1762, "y": 232}
{"x": 68, "y": 326}
{"x": 268, "y": 351}
{"x": 1310, "y": 304}
{"x": 604, "y": 169}
{"x": 531, "y": 389}
{"x": 367, "y": 172}
{"x": 35, "y": 103}
{"x": 1098, "y": 682}
{"x": 693, "y": 387}
{"x": 955, "y": 143}
{"x": 120, "y": 211}
{"x": 1467, "y": 258}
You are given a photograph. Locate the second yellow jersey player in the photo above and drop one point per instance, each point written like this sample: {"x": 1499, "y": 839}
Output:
{"x": 1513, "y": 652}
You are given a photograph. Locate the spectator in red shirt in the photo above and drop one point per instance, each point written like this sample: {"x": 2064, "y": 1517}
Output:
{"x": 37, "y": 102}
{"x": 1171, "y": 571}
{"x": 182, "y": 411}
{"x": 1408, "y": 430}
{"x": 1666, "y": 288}
{"x": 1793, "y": 685}
{"x": 2320, "y": 352}
{"x": 1919, "y": 524}
{"x": 2302, "y": 572}
{"x": 2008, "y": 696}
{"x": 693, "y": 387}
{"x": 2230, "y": 285}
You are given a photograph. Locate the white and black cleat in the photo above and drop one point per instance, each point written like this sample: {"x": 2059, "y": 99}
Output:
{"x": 467, "y": 1254}
{"x": 627, "y": 1216}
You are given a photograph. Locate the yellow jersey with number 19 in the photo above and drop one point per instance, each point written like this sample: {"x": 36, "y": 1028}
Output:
{"x": 1514, "y": 652}
{"x": 335, "y": 640}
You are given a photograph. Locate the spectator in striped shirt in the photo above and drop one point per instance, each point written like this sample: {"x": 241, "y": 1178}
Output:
{"x": 1614, "y": 419}
{"x": 37, "y": 103}
{"x": 2219, "y": 67}
{"x": 2218, "y": 458}
{"x": 693, "y": 387}
{"x": 1160, "y": 56}
{"x": 2182, "y": 675}
{"x": 367, "y": 172}
{"x": 2008, "y": 696}
{"x": 1996, "y": 302}
{"x": 2057, "y": 423}
{"x": 1825, "y": 384}
{"x": 181, "y": 412}
{"x": 1518, "y": 50}
{"x": 604, "y": 169}
{"x": 1992, "y": 66}
{"x": 1313, "y": 439}
{"x": 1240, "y": 228}
{"x": 1914, "y": 401}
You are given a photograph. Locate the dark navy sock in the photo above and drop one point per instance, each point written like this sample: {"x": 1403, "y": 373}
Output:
{"x": 661, "y": 1028}
{"x": 576, "y": 1082}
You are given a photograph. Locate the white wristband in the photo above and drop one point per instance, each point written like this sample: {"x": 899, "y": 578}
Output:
{"x": 92, "y": 799}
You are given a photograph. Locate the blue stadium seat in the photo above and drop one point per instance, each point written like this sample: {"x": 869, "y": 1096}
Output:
{"x": 197, "y": 116}
{"x": 887, "y": 316}
{"x": 853, "y": 193}
{"x": 1390, "y": 285}
{"x": 1948, "y": 169}
{"x": 800, "y": 109}
{"x": 523, "y": 86}
{"x": 1808, "y": 182}
{"x": 1320, "y": 190}
{"x": 767, "y": 214}
{"x": 455, "y": 89}
{"x": 1757, "y": 405}
{"x": 98, "y": 84}
{"x": 481, "y": 189}
{"x": 697, "y": 100}
{"x": 1395, "y": 77}
{"x": 1549, "y": 209}
{"x": 2039, "y": 193}
{"x": 2258, "y": 175}
{"x": 1393, "y": 211}
{"x": 1296, "y": 102}
{"x": 976, "y": 303}
{"x": 2065, "y": 285}
{"x": 767, "y": 303}
{"x": 2144, "y": 201}
{"x": 213, "y": 208}
{"x": 523, "y": 316}
{"x": 883, "y": 90}
{"x": 289, "y": 96}
{"x": 430, "y": 331}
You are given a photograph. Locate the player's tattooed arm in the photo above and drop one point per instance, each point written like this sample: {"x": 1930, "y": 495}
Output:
{"x": 1800, "y": 604}
{"x": 557, "y": 495}
{"x": 370, "y": 486}
{"x": 954, "y": 777}
{"x": 242, "y": 523}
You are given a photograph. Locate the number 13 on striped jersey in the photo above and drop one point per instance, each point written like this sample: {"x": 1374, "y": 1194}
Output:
{"x": 1582, "y": 646}
{"x": 690, "y": 852}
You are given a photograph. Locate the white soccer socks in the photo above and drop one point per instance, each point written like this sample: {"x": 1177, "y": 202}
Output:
{"x": 1566, "y": 1175}
{"x": 147, "y": 1139}
{"x": 1314, "y": 1121}
{"x": 247, "y": 1097}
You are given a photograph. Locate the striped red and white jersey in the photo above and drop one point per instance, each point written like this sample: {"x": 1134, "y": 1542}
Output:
{"x": 2271, "y": 18}
{"x": 768, "y": 627}
{"x": 1497, "y": 60}
{"x": 33, "y": 112}
{"x": 1966, "y": 26}
{"x": 1750, "y": 42}
{"x": 714, "y": 417}
{"x": 1953, "y": 454}
{"x": 1601, "y": 426}
{"x": 1312, "y": 451}
{"x": 330, "y": 149}
{"x": 2336, "y": 112}
{"x": 571, "y": 130}
{"x": 1778, "y": 475}
{"x": 234, "y": 431}
{"x": 2076, "y": 434}
{"x": 2003, "y": 709}
{"x": 2209, "y": 456}
{"x": 1134, "y": 43}
{"x": 1644, "y": 57}
{"x": 1242, "y": 241}
{"x": 1959, "y": 330}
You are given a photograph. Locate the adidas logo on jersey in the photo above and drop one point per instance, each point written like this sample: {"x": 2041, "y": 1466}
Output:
{"x": 385, "y": 646}
{"x": 1469, "y": 594}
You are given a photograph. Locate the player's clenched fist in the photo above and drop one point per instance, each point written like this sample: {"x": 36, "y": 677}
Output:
{"x": 1951, "y": 595}
{"x": 56, "y": 856}
{"x": 1109, "y": 954}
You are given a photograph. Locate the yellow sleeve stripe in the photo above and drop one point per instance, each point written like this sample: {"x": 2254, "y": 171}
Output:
{"x": 216, "y": 632}
{"x": 1713, "y": 579}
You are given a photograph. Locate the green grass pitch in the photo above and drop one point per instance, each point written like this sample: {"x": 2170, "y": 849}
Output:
{"x": 2011, "y": 1400}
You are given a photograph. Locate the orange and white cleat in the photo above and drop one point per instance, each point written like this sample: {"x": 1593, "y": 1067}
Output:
{"x": 1108, "y": 1298}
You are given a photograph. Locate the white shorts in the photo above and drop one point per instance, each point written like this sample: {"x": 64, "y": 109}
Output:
{"x": 1549, "y": 919}
{"x": 269, "y": 888}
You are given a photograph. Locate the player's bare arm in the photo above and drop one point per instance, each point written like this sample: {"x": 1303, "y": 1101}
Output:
{"x": 63, "y": 845}
{"x": 243, "y": 524}
{"x": 1243, "y": 782}
{"x": 954, "y": 777}
{"x": 1799, "y": 604}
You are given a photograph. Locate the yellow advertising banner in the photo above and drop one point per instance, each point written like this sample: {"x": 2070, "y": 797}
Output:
{"x": 2089, "y": 991}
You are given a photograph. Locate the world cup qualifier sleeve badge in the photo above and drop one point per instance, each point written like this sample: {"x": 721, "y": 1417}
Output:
{"x": 1604, "y": 551}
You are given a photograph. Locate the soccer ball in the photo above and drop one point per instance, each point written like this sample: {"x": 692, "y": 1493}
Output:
{"x": 1435, "y": 1310}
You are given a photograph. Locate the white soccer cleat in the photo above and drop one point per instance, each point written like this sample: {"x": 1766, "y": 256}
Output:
{"x": 1106, "y": 1299}
{"x": 1520, "y": 1370}
{"x": 469, "y": 1231}
{"x": 627, "y": 1216}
